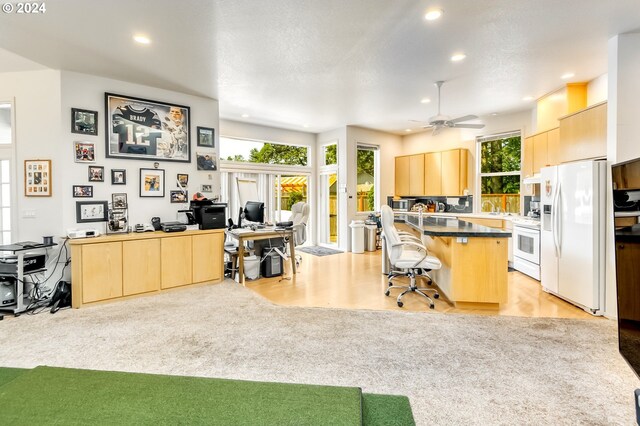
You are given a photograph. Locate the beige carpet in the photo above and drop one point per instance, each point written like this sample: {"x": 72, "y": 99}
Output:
{"x": 456, "y": 369}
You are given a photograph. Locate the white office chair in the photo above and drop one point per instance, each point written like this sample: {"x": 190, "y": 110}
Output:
{"x": 408, "y": 258}
{"x": 299, "y": 217}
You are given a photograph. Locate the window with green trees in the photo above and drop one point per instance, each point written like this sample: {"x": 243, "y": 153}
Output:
{"x": 366, "y": 162}
{"x": 330, "y": 154}
{"x": 242, "y": 150}
{"x": 500, "y": 159}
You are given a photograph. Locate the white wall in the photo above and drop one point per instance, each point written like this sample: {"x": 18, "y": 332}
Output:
{"x": 597, "y": 90}
{"x": 36, "y": 96}
{"x": 88, "y": 92}
{"x": 622, "y": 144}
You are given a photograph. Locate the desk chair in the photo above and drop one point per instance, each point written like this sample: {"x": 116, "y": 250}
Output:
{"x": 408, "y": 258}
{"x": 299, "y": 217}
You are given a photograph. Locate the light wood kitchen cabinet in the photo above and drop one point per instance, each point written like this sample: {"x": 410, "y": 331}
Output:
{"x": 539, "y": 152}
{"x": 176, "y": 258}
{"x": 102, "y": 266}
{"x": 627, "y": 176}
{"x": 553, "y": 147}
{"x": 140, "y": 266}
{"x": 527, "y": 157}
{"x": 206, "y": 250}
{"x": 454, "y": 171}
{"x": 416, "y": 174}
{"x": 583, "y": 135}
{"x": 433, "y": 173}
{"x": 402, "y": 176}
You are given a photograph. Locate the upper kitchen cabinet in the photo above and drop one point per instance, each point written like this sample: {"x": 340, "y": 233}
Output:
{"x": 627, "y": 176}
{"x": 455, "y": 164}
{"x": 527, "y": 157}
{"x": 402, "y": 175}
{"x": 583, "y": 135}
{"x": 416, "y": 169}
{"x": 409, "y": 175}
{"x": 433, "y": 173}
{"x": 539, "y": 152}
{"x": 553, "y": 147}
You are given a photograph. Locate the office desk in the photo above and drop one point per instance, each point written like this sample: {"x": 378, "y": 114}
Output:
{"x": 243, "y": 235}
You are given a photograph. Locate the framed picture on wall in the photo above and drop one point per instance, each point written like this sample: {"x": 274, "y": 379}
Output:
{"x": 84, "y": 152}
{"x": 141, "y": 129}
{"x": 206, "y": 137}
{"x": 118, "y": 177}
{"x": 91, "y": 211}
{"x": 84, "y": 121}
{"x": 152, "y": 183}
{"x": 183, "y": 180}
{"x": 206, "y": 188}
{"x": 96, "y": 174}
{"x": 119, "y": 201}
{"x": 37, "y": 178}
{"x": 207, "y": 161}
{"x": 179, "y": 196}
{"x": 82, "y": 191}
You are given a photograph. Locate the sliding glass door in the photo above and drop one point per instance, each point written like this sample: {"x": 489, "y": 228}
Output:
{"x": 328, "y": 208}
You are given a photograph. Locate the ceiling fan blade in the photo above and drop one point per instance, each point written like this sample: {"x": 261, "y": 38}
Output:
{"x": 436, "y": 130}
{"x": 465, "y": 118}
{"x": 417, "y": 121}
{"x": 468, "y": 126}
{"x": 428, "y": 126}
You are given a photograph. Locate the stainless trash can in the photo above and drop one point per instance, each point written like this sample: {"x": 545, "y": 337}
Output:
{"x": 370, "y": 232}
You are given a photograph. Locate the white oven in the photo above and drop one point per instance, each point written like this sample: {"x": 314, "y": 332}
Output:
{"x": 526, "y": 248}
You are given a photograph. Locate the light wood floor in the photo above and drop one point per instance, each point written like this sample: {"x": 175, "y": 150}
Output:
{"x": 355, "y": 281}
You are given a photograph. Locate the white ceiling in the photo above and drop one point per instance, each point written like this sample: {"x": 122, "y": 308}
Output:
{"x": 329, "y": 63}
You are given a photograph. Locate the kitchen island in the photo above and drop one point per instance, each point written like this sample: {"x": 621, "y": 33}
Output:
{"x": 474, "y": 259}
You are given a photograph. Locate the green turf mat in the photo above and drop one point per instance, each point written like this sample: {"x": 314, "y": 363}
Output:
{"x": 47, "y": 395}
{"x": 8, "y": 374}
{"x": 388, "y": 410}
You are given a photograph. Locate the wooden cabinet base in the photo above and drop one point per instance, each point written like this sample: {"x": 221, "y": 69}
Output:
{"x": 124, "y": 266}
{"x": 473, "y": 272}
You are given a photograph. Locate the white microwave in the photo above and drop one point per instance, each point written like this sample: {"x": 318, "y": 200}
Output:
{"x": 402, "y": 205}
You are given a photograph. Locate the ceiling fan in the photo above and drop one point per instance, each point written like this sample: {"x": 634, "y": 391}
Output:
{"x": 439, "y": 122}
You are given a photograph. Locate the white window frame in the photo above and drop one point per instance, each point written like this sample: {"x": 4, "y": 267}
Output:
{"x": 376, "y": 172}
{"x": 240, "y": 164}
{"x": 8, "y": 152}
{"x": 488, "y": 138}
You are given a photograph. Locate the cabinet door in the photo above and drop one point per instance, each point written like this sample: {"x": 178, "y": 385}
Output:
{"x": 539, "y": 152}
{"x": 207, "y": 257}
{"x": 527, "y": 157}
{"x": 416, "y": 174}
{"x": 175, "y": 255}
{"x": 584, "y": 135}
{"x": 451, "y": 172}
{"x": 628, "y": 271}
{"x": 553, "y": 147}
{"x": 402, "y": 176}
{"x": 140, "y": 266}
{"x": 432, "y": 173}
{"x": 101, "y": 271}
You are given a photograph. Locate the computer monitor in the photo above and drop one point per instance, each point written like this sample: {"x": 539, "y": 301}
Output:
{"x": 254, "y": 211}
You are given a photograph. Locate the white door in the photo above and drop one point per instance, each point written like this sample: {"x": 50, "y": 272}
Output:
{"x": 578, "y": 266}
{"x": 548, "y": 258}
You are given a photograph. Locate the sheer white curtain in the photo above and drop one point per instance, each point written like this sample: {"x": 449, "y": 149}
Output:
{"x": 229, "y": 192}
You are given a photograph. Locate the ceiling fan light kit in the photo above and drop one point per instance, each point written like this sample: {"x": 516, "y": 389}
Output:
{"x": 440, "y": 121}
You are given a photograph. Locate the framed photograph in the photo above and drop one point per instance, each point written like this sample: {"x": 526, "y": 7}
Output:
{"x": 207, "y": 161}
{"x": 206, "y": 137}
{"x": 37, "y": 178}
{"x": 84, "y": 152}
{"x": 140, "y": 129}
{"x": 91, "y": 211}
{"x": 119, "y": 201}
{"x": 82, "y": 191}
{"x": 183, "y": 180}
{"x": 96, "y": 174}
{"x": 179, "y": 196}
{"x": 206, "y": 188}
{"x": 84, "y": 121}
{"x": 151, "y": 182}
{"x": 118, "y": 177}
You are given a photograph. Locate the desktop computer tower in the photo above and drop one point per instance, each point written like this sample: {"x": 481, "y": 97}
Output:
{"x": 7, "y": 291}
{"x": 271, "y": 265}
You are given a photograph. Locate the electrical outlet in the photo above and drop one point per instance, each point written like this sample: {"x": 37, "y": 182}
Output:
{"x": 29, "y": 214}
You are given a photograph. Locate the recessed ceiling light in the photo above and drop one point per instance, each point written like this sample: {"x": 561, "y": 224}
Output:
{"x": 433, "y": 14}
{"x": 425, "y": 100}
{"x": 142, "y": 39}
{"x": 305, "y": 125}
{"x": 245, "y": 115}
{"x": 567, "y": 75}
{"x": 527, "y": 98}
{"x": 458, "y": 57}
{"x": 407, "y": 130}
{"x": 494, "y": 113}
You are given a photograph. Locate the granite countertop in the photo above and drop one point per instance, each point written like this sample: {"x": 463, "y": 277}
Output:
{"x": 630, "y": 234}
{"x": 449, "y": 227}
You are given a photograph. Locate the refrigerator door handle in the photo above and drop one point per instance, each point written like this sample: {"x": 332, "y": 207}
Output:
{"x": 554, "y": 226}
{"x": 559, "y": 220}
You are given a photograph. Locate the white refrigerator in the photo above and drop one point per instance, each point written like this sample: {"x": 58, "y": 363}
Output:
{"x": 572, "y": 234}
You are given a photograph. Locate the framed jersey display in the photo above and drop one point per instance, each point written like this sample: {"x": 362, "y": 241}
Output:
{"x": 141, "y": 129}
